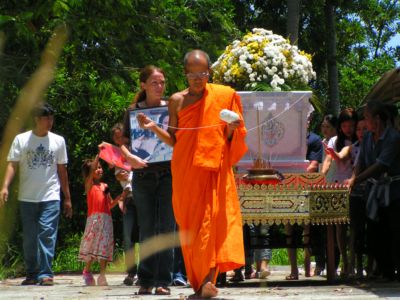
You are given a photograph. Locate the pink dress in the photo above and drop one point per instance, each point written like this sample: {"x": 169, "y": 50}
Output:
{"x": 98, "y": 240}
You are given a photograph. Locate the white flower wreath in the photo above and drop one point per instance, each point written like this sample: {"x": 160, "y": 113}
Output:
{"x": 263, "y": 60}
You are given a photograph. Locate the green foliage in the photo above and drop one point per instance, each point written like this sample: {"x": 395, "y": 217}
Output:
{"x": 12, "y": 260}
{"x": 66, "y": 259}
{"x": 357, "y": 78}
{"x": 380, "y": 19}
{"x": 280, "y": 257}
{"x": 11, "y": 257}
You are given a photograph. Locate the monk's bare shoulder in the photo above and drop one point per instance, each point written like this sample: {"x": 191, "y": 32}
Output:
{"x": 178, "y": 96}
{"x": 176, "y": 101}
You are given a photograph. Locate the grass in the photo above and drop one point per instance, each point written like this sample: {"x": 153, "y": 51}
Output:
{"x": 12, "y": 262}
{"x": 66, "y": 259}
{"x": 280, "y": 257}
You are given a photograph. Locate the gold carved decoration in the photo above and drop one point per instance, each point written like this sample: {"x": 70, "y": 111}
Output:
{"x": 300, "y": 198}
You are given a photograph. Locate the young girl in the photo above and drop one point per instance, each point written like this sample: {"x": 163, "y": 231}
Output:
{"x": 97, "y": 241}
{"x": 318, "y": 234}
{"x": 130, "y": 226}
{"x": 346, "y": 136}
{"x": 328, "y": 131}
{"x": 328, "y": 127}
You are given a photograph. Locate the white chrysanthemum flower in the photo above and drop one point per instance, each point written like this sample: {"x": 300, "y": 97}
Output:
{"x": 263, "y": 57}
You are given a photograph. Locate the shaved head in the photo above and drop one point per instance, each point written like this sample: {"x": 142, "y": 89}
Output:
{"x": 196, "y": 56}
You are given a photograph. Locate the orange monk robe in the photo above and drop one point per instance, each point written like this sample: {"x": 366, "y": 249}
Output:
{"x": 204, "y": 196}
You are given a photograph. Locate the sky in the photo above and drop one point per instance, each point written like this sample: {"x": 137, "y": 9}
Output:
{"x": 395, "y": 41}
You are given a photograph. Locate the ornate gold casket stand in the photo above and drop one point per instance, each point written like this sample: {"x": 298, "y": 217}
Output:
{"x": 302, "y": 198}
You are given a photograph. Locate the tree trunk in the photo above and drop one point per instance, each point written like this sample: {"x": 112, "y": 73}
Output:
{"x": 292, "y": 25}
{"x": 333, "y": 82}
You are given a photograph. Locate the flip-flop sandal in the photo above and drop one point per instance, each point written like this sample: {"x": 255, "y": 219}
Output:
{"x": 145, "y": 290}
{"x": 238, "y": 277}
{"x": 29, "y": 281}
{"x": 162, "y": 291}
{"x": 46, "y": 281}
{"x": 252, "y": 275}
{"x": 263, "y": 274}
{"x": 292, "y": 277}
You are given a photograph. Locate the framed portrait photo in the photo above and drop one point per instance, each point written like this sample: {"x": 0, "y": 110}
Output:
{"x": 144, "y": 143}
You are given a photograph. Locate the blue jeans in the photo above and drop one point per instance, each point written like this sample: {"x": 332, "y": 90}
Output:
{"x": 39, "y": 227}
{"x": 179, "y": 270}
{"x": 152, "y": 194}
{"x": 254, "y": 255}
{"x": 130, "y": 235}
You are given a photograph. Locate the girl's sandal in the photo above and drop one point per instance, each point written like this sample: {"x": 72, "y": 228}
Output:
{"x": 292, "y": 277}
{"x": 88, "y": 278}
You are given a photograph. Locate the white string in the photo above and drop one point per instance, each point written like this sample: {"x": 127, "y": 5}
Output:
{"x": 194, "y": 128}
{"x": 223, "y": 124}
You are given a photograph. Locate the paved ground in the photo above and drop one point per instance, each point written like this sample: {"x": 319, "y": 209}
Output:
{"x": 71, "y": 287}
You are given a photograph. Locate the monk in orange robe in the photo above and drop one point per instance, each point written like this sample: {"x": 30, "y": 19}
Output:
{"x": 204, "y": 195}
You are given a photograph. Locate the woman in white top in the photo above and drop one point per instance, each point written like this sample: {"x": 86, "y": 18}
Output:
{"x": 318, "y": 234}
{"x": 346, "y": 136}
{"x": 328, "y": 131}
{"x": 357, "y": 204}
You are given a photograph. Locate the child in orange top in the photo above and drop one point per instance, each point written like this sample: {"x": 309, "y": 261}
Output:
{"x": 97, "y": 241}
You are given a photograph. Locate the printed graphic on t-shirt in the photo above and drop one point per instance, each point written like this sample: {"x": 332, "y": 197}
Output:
{"x": 41, "y": 157}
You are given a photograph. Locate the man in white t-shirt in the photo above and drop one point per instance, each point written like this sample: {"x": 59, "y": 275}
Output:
{"x": 41, "y": 157}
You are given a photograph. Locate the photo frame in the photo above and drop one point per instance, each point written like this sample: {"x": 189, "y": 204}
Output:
{"x": 144, "y": 143}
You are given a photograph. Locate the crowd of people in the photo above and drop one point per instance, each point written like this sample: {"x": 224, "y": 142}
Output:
{"x": 361, "y": 151}
{"x": 192, "y": 198}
